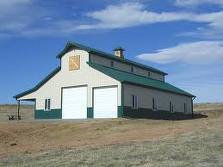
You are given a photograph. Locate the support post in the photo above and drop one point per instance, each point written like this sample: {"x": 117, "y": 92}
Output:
{"x": 18, "y": 111}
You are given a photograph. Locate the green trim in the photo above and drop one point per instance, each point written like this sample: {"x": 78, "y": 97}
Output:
{"x": 150, "y": 114}
{"x": 52, "y": 114}
{"x": 120, "y": 111}
{"x": 107, "y": 55}
{"x": 121, "y": 108}
{"x": 130, "y": 78}
{"x": 48, "y": 77}
{"x": 90, "y": 112}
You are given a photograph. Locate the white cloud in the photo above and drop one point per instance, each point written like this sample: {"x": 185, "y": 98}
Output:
{"x": 204, "y": 33}
{"x": 9, "y": 7}
{"x": 4, "y": 3}
{"x": 203, "y": 52}
{"x": 26, "y": 18}
{"x": 185, "y": 3}
{"x": 133, "y": 14}
{"x": 15, "y": 16}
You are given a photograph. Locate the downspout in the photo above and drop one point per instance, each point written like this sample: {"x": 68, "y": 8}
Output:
{"x": 192, "y": 106}
{"x": 122, "y": 99}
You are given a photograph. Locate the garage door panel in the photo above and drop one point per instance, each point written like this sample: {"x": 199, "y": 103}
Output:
{"x": 74, "y": 104}
{"x": 105, "y": 102}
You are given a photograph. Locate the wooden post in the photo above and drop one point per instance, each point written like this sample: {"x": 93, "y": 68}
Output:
{"x": 18, "y": 114}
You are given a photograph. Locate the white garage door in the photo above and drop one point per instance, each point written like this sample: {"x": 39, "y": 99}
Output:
{"x": 105, "y": 102}
{"x": 74, "y": 103}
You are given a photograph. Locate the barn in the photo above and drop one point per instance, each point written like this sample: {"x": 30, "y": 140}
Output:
{"x": 90, "y": 83}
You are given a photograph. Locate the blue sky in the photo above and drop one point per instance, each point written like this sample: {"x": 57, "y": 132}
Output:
{"x": 181, "y": 37}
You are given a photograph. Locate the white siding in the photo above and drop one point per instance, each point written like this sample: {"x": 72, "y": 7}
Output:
{"x": 65, "y": 78}
{"x": 145, "y": 96}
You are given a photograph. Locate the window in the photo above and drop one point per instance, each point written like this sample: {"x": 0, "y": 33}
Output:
{"x": 149, "y": 74}
{"x": 185, "y": 107}
{"x": 47, "y": 104}
{"x": 74, "y": 63}
{"x": 134, "y": 101}
{"x": 112, "y": 64}
{"x": 132, "y": 69}
{"x": 155, "y": 104}
{"x": 171, "y": 107}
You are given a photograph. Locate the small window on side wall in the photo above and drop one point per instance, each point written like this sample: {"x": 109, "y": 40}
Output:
{"x": 149, "y": 74}
{"x": 132, "y": 69}
{"x": 185, "y": 107}
{"x": 171, "y": 107}
{"x": 112, "y": 64}
{"x": 155, "y": 104}
{"x": 47, "y": 104}
{"x": 134, "y": 102}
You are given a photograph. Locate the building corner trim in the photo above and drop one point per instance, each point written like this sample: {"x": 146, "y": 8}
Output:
{"x": 90, "y": 112}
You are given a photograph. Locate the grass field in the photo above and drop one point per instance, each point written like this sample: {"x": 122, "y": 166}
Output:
{"x": 26, "y": 112}
{"x": 117, "y": 142}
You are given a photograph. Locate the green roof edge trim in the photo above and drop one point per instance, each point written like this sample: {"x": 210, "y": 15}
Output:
{"x": 107, "y": 55}
{"x": 98, "y": 67}
{"x": 103, "y": 70}
{"x": 42, "y": 82}
{"x": 126, "y": 77}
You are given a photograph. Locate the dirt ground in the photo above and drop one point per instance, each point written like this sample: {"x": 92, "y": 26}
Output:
{"x": 29, "y": 137}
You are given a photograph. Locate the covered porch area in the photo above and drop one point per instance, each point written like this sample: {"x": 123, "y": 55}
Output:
{"x": 24, "y": 107}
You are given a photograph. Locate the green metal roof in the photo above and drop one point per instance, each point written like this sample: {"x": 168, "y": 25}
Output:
{"x": 127, "y": 77}
{"x": 114, "y": 73}
{"x": 107, "y": 55}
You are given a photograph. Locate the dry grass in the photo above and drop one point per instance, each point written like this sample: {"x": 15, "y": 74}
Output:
{"x": 189, "y": 150}
{"x": 118, "y": 142}
{"x": 208, "y": 106}
{"x": 26, "y": 112}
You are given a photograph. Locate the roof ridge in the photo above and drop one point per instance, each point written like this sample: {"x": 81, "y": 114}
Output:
{"x": 127, "y": 72}
{"x": 109, "y": 55}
